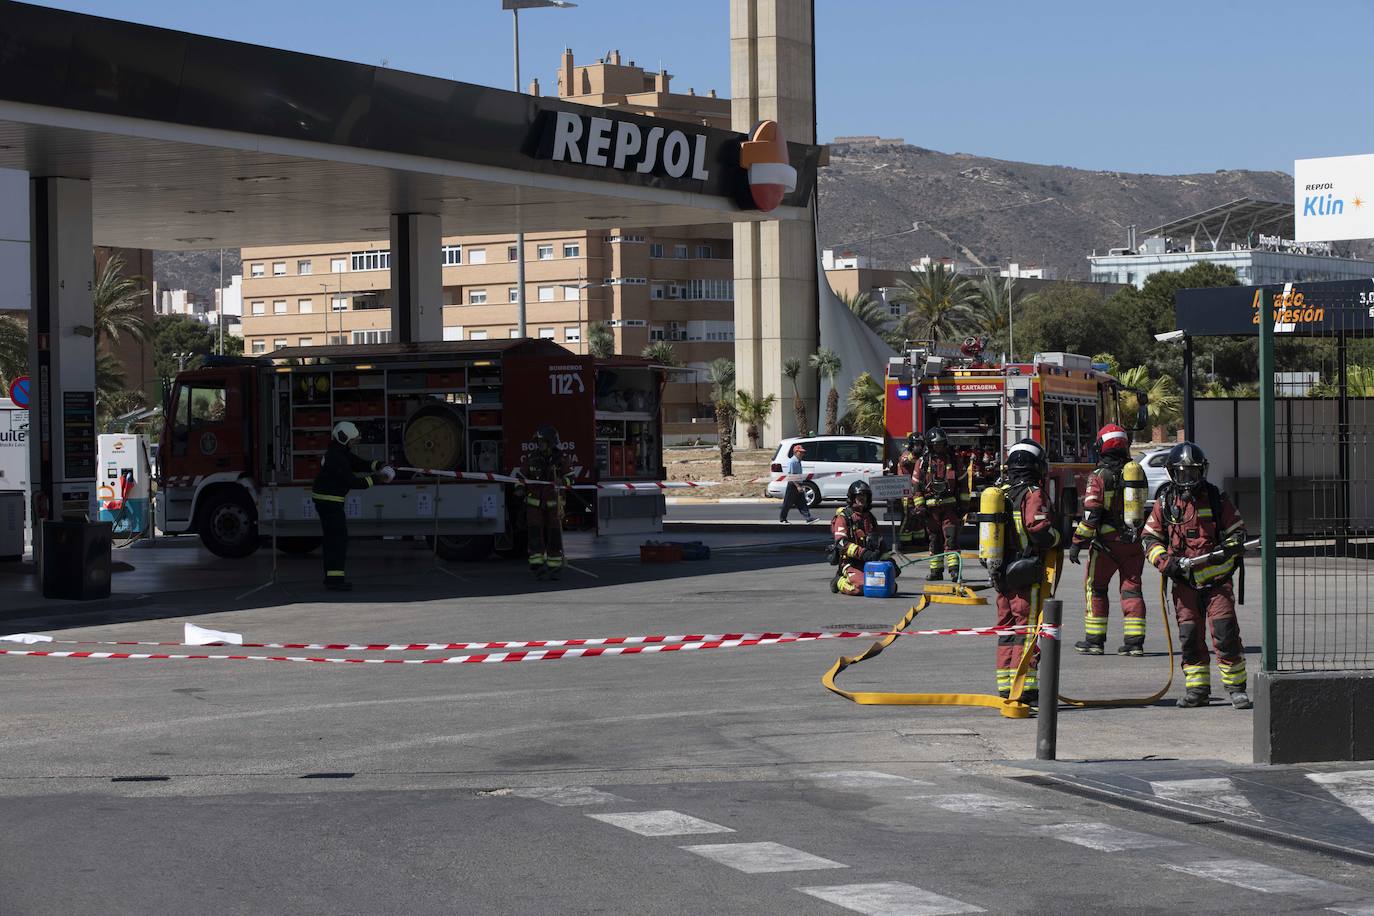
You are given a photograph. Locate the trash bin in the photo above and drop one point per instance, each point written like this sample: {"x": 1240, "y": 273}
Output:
{"x": 75, "y": 562}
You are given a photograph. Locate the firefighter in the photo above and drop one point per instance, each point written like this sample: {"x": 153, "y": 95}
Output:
{"x": 1192, "y": 518}
{"x": 1113, "y": 544}
{"x": 941, "y": 494}
{"x": 857, "y": 540}
{"x": 339, "y": 473}
{"x": 913, "y": 522}
{"x": 1030, "y": 531}
{"x": 546, "y": 475}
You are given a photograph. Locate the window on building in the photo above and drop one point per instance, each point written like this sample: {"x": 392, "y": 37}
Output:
{"x": 477, "y": 256}
{"x": 477, "y": 297}
{"x": 453, "y": 255}
{"x": 371, "y": 260}
{"x": 655, "y": 250}
{"x": 656, "y": 291}
{"x": 478, "y": 335}
{"x": 278, "y": 268}
{"x": 512, "y": 253}
{"x": 305, "y": 306}
{"x": 571, "y": 293}
{"x": 655, "y": 333}
{"x": 337, "y": 340}
{"x": 546, "y": 294}
{"x": 259, "y": 308}
{"x": 544, "y": 252}
{"x": 572, "y": 334}
{"x": 546, "y": 334}
{"x": 894, "y": 309}
{"x": 514, "y": 332}
{"x": 256, "y": 270}
{"x": 338, "y": 265}
{"x": 279, "y": 343}
{"x": 278, "y": 306}
{"x": 513, "y": 294}
{"x": 305, "y": 342}
{"x": 339, "y": 304}
{"x": 259, "y": 346}
{"x": 365, "y": 301}
{"x": 680, "y": 252}
{"x": 572, "y": 250}
{"x": 704, "y": 251}
{"x": 371, "y": 337}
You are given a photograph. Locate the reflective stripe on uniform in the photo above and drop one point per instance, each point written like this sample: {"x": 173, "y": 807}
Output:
{"x": 1197, "y": 676}
{"x": 326, "y": 498}
{"x": 1155, "y": 553}
{"x": 336, "y": 573}
{"x": 1133, "y": 626}
{"x": 1214, "y": 572}
{"x": 1233, "y": 675}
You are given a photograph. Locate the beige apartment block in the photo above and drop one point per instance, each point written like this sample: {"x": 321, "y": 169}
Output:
{"x": 674, "y": 284}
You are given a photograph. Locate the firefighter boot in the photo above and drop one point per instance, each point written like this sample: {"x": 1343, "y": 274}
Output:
{"x": 1239, "y": 698}
{"x": 936, "y": 574}
{"x": 1133, "y": 646}
{"x": 1195, "y": 697}
{"x": 1031, "y": 697}
{"x": 1090, "y": 646}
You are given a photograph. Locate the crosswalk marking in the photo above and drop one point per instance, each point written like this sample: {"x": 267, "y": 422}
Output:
{"x": 660, "y": 823}
{"x": 890, "y": 898}
{"x": 1104, "y": 837}
{"x": 567, "y": 796}
{"x": 971, "y": 803}
{"x": 866, "y": 779}
{"x": 1355, "y": 788}
{"x": 761, "y": 858}
{"x": 1257, "y": 876}
{"x": 1219, "y": 794}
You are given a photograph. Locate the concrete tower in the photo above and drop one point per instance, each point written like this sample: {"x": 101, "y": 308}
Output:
{"x": 772, "y": 61}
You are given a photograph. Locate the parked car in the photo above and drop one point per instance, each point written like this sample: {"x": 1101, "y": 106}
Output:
{"x": 1156, "y": 474}
{"x": 840, "y": 459}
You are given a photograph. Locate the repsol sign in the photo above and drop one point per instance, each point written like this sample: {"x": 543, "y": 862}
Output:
{"x": 611, "y": 143}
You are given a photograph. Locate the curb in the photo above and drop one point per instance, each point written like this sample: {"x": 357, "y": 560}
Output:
{"x": 724, "y": 501}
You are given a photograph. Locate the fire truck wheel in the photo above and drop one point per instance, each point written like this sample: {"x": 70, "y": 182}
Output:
{"x": 465, "y": 549}
{"x": 228, "y": 523}
{"x": 812, "y": 494}
{"x": 298, "y": 545}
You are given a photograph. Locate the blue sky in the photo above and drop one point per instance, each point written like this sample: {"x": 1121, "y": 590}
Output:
{"x": 1159, "y": 86}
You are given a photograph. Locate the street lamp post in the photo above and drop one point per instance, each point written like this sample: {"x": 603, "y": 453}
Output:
{"x": 515, "y": 6}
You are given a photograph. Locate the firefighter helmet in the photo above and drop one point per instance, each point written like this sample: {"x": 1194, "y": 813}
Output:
{"x": 1026, "y": 459}
{"x": 1187, "y": 466}
{"x": 937, "y": 438}
{"x": 547, "y": 436}
{"x": 1112, "y": 438}
{"x": 860, "y": 490}
{"x": 346, "y": 432}
{"x": 913, "y": 442}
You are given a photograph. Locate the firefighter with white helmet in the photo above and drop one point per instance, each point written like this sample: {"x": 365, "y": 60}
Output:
{"x": 341, "y": 471}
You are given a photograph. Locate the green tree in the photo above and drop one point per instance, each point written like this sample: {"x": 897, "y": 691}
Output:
{"x": 992, "y": 313}
{"x": 721, "y": 376}
{"x": 1164, "y": 407}
{"x": 1068, "y": 318}
{"x": 866, "y": 406}
{"x": 754, "y": 411}
{"x": 937, "y": 301}
{"x": 791, "y": 370}
{"x": 662, "y": 353}
{"x": 827, "y": 363}
{"x": 117, "y": 301}
{"x": 600, "y": 340}
{"x": 1139, "y": 314}
{"x": 14, "y": 348}
{"x": 173, "y": 334}
{"x": 871, "y": 312}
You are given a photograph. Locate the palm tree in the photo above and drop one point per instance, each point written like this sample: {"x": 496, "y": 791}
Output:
{"x": 754, "y": 411}
{"x": 827, "y": 363}
{"x": 14, "y": 348}
{"x": 1164, "y": 402}
{"x": 721, "y": 375}
{"x": 990, "y": 315}
{"x": 600, "y": 340}
{"x": 937, "y": 302}
{"x": 662, "y": 353}
{"x": 871, "y": 312}
{"x": 866, "y": 406}
{"x": 118, "y": 305}
{"x": 791, "y": 369}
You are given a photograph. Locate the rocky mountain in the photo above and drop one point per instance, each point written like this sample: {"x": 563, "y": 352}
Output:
{"x": 994, "y": 211}
{"x": 196, "y": 271}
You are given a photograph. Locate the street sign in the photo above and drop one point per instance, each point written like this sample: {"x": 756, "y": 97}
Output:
{"x": 19, "y": 392}
{"x": 890, "y": 486}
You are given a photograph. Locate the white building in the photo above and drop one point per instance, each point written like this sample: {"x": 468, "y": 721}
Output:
{"x": 229, "y": 300}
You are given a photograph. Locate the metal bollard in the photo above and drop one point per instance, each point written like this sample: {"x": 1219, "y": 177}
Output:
{"x": 1047, "y": 721}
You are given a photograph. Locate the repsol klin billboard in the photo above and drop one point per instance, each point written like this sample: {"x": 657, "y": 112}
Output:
{"x": 1324, "y": 309}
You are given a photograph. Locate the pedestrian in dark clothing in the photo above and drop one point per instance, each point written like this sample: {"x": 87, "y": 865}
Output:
{"x": 793, "y": 495}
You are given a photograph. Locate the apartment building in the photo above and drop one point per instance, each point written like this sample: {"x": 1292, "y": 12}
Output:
{"x": 675, "y": 284}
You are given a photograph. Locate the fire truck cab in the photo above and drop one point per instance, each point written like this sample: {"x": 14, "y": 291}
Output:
{"x": 244, "y": 438}
{"x": 1060, "y": 400}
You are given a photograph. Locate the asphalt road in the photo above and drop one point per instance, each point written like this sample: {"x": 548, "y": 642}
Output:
{"x": 723, "y": 781}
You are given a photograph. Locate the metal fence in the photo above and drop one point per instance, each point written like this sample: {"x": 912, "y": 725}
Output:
{"x": 1314, "y": 489}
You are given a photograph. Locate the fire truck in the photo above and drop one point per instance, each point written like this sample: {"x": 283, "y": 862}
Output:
{"x": 1060, "y": 400}
{"x": 243, "y": 440}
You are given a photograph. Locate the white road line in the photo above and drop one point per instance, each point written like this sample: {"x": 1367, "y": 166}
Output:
{"x": 1104, "y": 837}
{"x": 568, "y": 796}
{"x": 1355, "y": 789}
{"x": 762, "y": 858}
{"x": 972, "y": 803}
{"x": 1218, "y": 794}
{"x": 660, "y": 823}
{"x": 1356, "y": 910}
{"x": 866, "y": 779}
{"x": 890, "y": 898}
{"x": 1257, "y": 876}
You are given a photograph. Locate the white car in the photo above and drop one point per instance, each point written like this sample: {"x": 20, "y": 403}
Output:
{"x": 1156, "y": 474}
{"x": 837, "y": 461}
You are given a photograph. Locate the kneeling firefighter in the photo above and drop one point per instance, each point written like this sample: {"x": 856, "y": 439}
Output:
{"x": 546, "y": 475}
{"x": 1017, "y": 527}
{"x": 1194, "y": 536}
{"x": 1113, "y": 513}
{"x": 857, "y": 540}
{"x": 339, "y": 473}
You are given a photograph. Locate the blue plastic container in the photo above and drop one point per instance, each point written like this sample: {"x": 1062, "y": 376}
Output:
{"x": 880, "y": 579}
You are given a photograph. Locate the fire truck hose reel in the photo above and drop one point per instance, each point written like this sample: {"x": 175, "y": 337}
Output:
{"x": 434, "y": 438}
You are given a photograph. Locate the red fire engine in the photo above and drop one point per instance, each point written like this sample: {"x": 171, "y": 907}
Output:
{"x": 243, "y": 440}
{"x": 1058, "y": 399}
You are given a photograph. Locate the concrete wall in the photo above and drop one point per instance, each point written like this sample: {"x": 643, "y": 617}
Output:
{"x": 14, "y": 240}
{"x": 1313, "y": 716}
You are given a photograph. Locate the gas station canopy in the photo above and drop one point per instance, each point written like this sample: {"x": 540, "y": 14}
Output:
{"x": 197, "y": 142}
